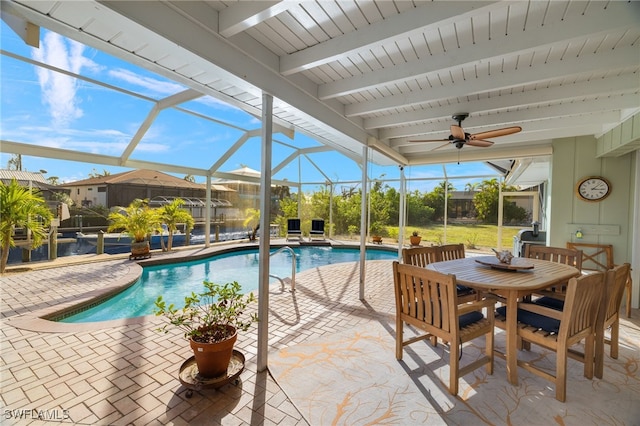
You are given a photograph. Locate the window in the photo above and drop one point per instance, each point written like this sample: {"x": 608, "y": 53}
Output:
{"x": 102, "y": 189}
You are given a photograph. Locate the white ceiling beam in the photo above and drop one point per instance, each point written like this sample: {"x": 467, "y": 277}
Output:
{"x": 297, "y": 153}
{"x": 90, "y": 158}
{"x": 243, "y": 15}
{"x": 475, "y": 124}
{"x": 204, "y": 13}
{"x": 413, "y": 22}
{"x": 590, "y": 63}
{"x": 27, "y": 31}
{"x": 179, "y": 98}
{"x": 233, "y": 149}
{"x": 583, "y": 122}
{"x": 624, "y": 84}
{"x": 142, "y": 130}
{"x": 167, "y": 102}
{"x": 467, "y": 154}
{"x": 614, "y": 17}
{"x": 167, "y": 22}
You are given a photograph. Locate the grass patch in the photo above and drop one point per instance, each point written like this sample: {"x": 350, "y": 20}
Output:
{"x": 480, "y": 236}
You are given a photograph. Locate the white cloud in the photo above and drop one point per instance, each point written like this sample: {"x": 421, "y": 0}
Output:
{"x": 59, "y": 91}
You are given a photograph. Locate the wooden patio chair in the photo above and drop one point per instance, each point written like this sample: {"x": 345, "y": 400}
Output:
{"x": 559, "y": 330}
{"x": 451, "y": 252}
{"x": 428, "y": 301}
{"x": 554, "y": 254}
{"x": 420, "y": 256}
{"x": 610, "y": 315}
{"x": 599, "y": 257}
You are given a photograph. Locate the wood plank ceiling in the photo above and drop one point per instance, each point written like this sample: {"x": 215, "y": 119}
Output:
{"x": 384, "y": 73}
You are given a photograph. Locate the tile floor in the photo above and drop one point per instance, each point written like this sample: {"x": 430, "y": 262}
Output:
{"x": 125, "y": 372}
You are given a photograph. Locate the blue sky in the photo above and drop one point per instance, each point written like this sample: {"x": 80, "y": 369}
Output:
{"x": 45, "y": 108}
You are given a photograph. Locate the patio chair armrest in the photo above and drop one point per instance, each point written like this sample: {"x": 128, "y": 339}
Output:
{"x": 540, "y": 310}
{"x": 477, "y": 305}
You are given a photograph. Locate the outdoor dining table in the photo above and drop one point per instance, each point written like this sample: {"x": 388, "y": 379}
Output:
{"x": 524, "y": 277}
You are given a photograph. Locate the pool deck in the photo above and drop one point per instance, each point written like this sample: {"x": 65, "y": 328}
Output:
{"x": 125, "y": 372}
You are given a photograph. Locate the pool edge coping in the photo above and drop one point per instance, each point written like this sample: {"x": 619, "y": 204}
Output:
{"x": 40, "y": 320}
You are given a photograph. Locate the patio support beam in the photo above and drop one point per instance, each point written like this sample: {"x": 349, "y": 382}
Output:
{"x": 363, "y": 217}
{"x": 265, "y": 237}
{"x": 402, "y": 211}
{"x": 207, "y": 215}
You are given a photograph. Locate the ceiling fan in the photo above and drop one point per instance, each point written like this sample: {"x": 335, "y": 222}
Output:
{"x": 460, "y": 138}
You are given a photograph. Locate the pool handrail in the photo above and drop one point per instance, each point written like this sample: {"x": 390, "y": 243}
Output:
{"x": 293, "y": 266}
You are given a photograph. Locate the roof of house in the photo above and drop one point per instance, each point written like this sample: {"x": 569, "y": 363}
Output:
{"x": 143, "y": 177}
{"x": 36, "y": 179}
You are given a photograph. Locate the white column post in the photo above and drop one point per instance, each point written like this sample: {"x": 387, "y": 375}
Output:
{"x": 402, "y": 212}
{"x": 265, "y": 242}
{"x": 363, "y": 218}
{"x": 207, "y": 215}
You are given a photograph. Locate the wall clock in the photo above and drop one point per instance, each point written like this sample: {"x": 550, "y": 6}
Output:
{"x": 593, "y": 188}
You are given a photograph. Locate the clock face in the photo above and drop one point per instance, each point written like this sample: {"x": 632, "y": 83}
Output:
{"x": 593, "y": 188}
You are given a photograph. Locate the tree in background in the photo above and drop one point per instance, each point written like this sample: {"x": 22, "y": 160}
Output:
{"x": 486, "y": 203}
{"x": 15, "y": 162}
{"x": 252, "y": 218}
{"x": 190, "y": 178}
{"x": 435, "y": 198}
{"x": 173, "y": 214}
{"x": 94, "y": 173}
{"x": 21, "y": 208}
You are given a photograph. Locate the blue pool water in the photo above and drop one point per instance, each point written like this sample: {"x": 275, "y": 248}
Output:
{"x": 175, "y": 281}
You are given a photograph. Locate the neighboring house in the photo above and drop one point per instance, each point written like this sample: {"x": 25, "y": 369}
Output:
{"x": 122, "y": 188}
{"x": 247, "y": 194}
{"x": 33, "y": 179}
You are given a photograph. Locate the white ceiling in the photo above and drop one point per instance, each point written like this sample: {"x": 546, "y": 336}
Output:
{"x": 384, "y": 72}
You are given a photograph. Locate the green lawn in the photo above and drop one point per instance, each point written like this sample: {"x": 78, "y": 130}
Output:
{"x": 472, "y": 236}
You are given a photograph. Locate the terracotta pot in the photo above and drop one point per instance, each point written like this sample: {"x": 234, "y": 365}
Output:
{"x": 140, "y": 249}
{"x": 213, "y": 359}
{"x": 415, "y": 240}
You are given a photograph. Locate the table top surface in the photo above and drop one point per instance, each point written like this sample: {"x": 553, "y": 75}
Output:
{"x": 473, "y": 274}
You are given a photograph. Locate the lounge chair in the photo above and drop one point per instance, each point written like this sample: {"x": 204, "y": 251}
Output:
{"x": 317, "y": 229}
{"x": 293, "y": 229}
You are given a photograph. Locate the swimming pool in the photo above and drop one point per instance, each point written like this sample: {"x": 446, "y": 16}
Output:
{"x": 175, "y": 281}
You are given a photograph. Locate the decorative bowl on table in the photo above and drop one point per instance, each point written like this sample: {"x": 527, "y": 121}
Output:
{"x": 504, "y": 256}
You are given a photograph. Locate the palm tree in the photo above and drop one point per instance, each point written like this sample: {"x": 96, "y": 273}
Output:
{"x": 171, "y": 215}
{"x": 137, "y": 220}
{"x": 21, "y": 208}
{"x": 253, "y": 219}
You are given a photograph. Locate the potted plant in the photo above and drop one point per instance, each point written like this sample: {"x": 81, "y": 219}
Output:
{"x": 415, "y": 238}
{"x": 138, "y": 221}
{"x": 376, "y": 232}
{"x": 210, "y": 321}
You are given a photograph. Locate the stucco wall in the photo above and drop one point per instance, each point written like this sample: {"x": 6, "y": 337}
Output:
{"x": 610, "y": 221}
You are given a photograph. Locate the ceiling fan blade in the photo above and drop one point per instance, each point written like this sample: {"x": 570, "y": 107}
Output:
{"x": 495, "y": 133}
{"x": 429, "y": 140}
{"x": 479, "y": 142}
{"x": 457, "y": 132}
{"x": 441, "y": 146}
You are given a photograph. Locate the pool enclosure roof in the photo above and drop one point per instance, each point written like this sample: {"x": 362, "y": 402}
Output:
{"x": 375, "y": 73}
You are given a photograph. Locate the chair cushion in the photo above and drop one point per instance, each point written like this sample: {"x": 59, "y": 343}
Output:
{"x": 550, "y": 302}
{"x": 468, "y": 319}
{"x": 551, "y": 325}
{"x": 464, "y": 290}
